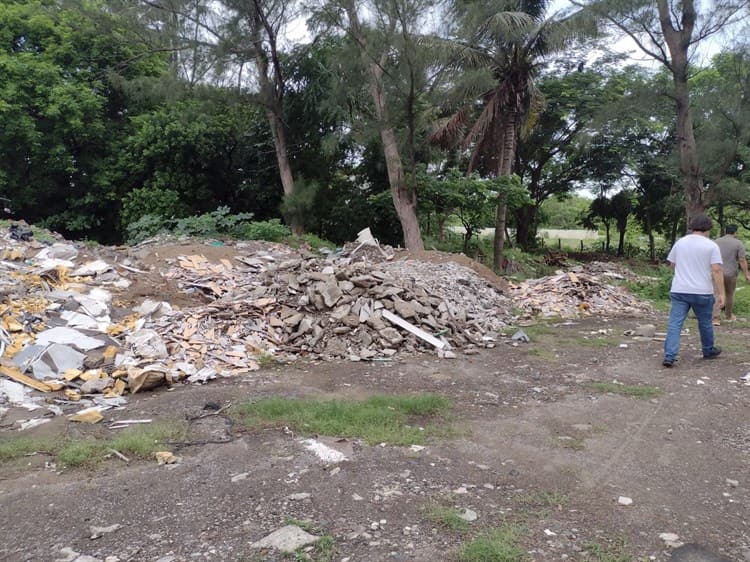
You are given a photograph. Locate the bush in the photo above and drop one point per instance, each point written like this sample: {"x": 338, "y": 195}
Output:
{"x": 146, "y": 227}
{"x": 270, "y": 230}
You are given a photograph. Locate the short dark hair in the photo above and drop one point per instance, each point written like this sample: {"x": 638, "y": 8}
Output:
{"x": 701, "y": 222}
{"x": 731, "y": 229}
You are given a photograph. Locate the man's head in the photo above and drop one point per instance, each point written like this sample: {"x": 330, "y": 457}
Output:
{"x": 731, "y": 229}
{"x": 700, "y": 223}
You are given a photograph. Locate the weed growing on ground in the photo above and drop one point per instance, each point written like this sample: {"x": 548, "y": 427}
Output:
{"x": 136, "y": 443}
{"x": 446, "y": 517}
{"x": 16, "y": 447}
{"x": 378, "y": 419}
{"x": 637, "y": 391}
{"x": 495, "y": 545}
{"x": 613, "y": 551}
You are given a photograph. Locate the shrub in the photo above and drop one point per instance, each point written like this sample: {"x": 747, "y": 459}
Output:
{"x": 270, "y": 230}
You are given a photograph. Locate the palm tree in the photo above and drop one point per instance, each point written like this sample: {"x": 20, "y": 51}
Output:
{"x": 501, "y": 47}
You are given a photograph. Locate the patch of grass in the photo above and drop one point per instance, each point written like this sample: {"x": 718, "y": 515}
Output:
{"x": 265, "y": 359}
{"x": 543, "y": 498}
{"x": 323, "y": 550}
{"x": 390, "y": 419}
{"x": 143, "y": 441}
{"x": 613, "y": 551}
{"x": 82, "y": 452}
{"x": 637, "y": 391}
{"x": 136, "y": 443}
{"x": 574, "y": 443}
{"x": 496, "y": 545}
{"x": 540, "y": 504}
{"x": 16, "y": 447}
{"x": 446, "y": 517}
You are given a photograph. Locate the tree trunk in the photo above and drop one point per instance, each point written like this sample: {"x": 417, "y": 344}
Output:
{"x": 526, "y": 227}
{"x": 440, "y": 219}
{"x": 404, "y": 198}
{"x": 505, "y": 168}
{"x": 606, "y": 230}
{"x": 272, "y": 93}
{"x": 678, "y": 41}
{"x": 621, "y": 243}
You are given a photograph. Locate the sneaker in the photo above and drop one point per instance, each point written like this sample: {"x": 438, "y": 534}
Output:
{"x": 668, "y": 362}
{"x": 713, "y": 354}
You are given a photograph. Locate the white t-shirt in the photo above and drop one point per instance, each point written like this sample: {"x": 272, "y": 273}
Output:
{"x": 693, "y": 256}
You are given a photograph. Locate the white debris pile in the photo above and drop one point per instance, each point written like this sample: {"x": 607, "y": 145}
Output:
{"x": 575, "y": 293}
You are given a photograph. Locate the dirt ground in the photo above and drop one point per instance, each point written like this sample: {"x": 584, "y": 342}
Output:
{"x": 535, "y": 446}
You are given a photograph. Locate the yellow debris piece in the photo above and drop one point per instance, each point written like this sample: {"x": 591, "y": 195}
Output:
{"x": 166, "y": 457}
{"x": 18, "y": 376}
{"x": 87, "y": 416}
{"x": 119, "y": 388}
{"x": 12, "y": 325}
{"x": 110, "y": 352}
{"x": 12, "y": 254}
{"x": 73, "y": 395}
{"x": 55, "y": 385}
{"x": 72, "y": 374}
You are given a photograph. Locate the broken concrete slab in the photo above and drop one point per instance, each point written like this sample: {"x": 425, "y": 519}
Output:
{"x": 286, "y": 539}
{"x": 69, "y": 336}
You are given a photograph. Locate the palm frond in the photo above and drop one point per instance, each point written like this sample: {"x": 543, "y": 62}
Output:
{"x": 485, "y": 120}
{"x": 505, "y": 26}
{"x": 449, "y": 131}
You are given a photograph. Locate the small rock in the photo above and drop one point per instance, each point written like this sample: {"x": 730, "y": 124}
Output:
{"x": 624, "y": 500}
{"x": 645, "y": 330}
{"x": 240, "y": 476}
{"x": 299, "y": 497}
{"x": 98, "y": 532}
{"x": 732, "y": 483}
{"x": 520, "y": 336}
{"x": 469, "y": 515}
{"x": 287, "y": 539}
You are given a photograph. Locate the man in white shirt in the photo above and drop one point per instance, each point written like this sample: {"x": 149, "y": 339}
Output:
{"x": 696, "y": 260}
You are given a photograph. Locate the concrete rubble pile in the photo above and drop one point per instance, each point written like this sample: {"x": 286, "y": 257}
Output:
{"x": 65, "y": 330}
{"x": 581, "y": 291}
{"x": 334, "y": 308}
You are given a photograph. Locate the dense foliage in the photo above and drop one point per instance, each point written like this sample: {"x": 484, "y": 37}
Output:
{"x": 124, "y": 119}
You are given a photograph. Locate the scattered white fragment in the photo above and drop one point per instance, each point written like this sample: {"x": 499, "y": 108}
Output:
{"x": 699, "y": 381}
{"x": 324, "y": 452}
{"x": 623, "y": 346}
{"x": 624, "y": 500}
{"x": 550, "y": 533}
{"x": 416, "y": 448}
{"x": 240, "y": 476}
{"x": 299, "y": 496}
{"x": 732, "y": 483}
{"x": 469, "y": 515}
{"x": 357, "y": 497}
{"x": 97, "y": 532}
{"x": 29, "y": 424}
{"x": 671, "y": 539}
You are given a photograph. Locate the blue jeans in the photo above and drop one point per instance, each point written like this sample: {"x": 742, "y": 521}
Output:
{"x": 702, "y": 306}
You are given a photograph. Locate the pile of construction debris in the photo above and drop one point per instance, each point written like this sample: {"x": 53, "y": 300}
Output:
{"x": 581, "y": 291}
{"x": 66, "y": 326}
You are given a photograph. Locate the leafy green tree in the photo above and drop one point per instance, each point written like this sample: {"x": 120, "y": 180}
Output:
{"x": 502, "y": 45}
{"x": 669, "y": 31}
{"x": 62, "y": 109}
{"x": 190, "y": 157}
{"x": 388, "y": 76}
{"x": 571, "y": 145}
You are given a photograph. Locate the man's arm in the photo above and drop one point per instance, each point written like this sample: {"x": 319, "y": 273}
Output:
{"x": 718, "y": 274}
{"x": 743, "y": 265}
